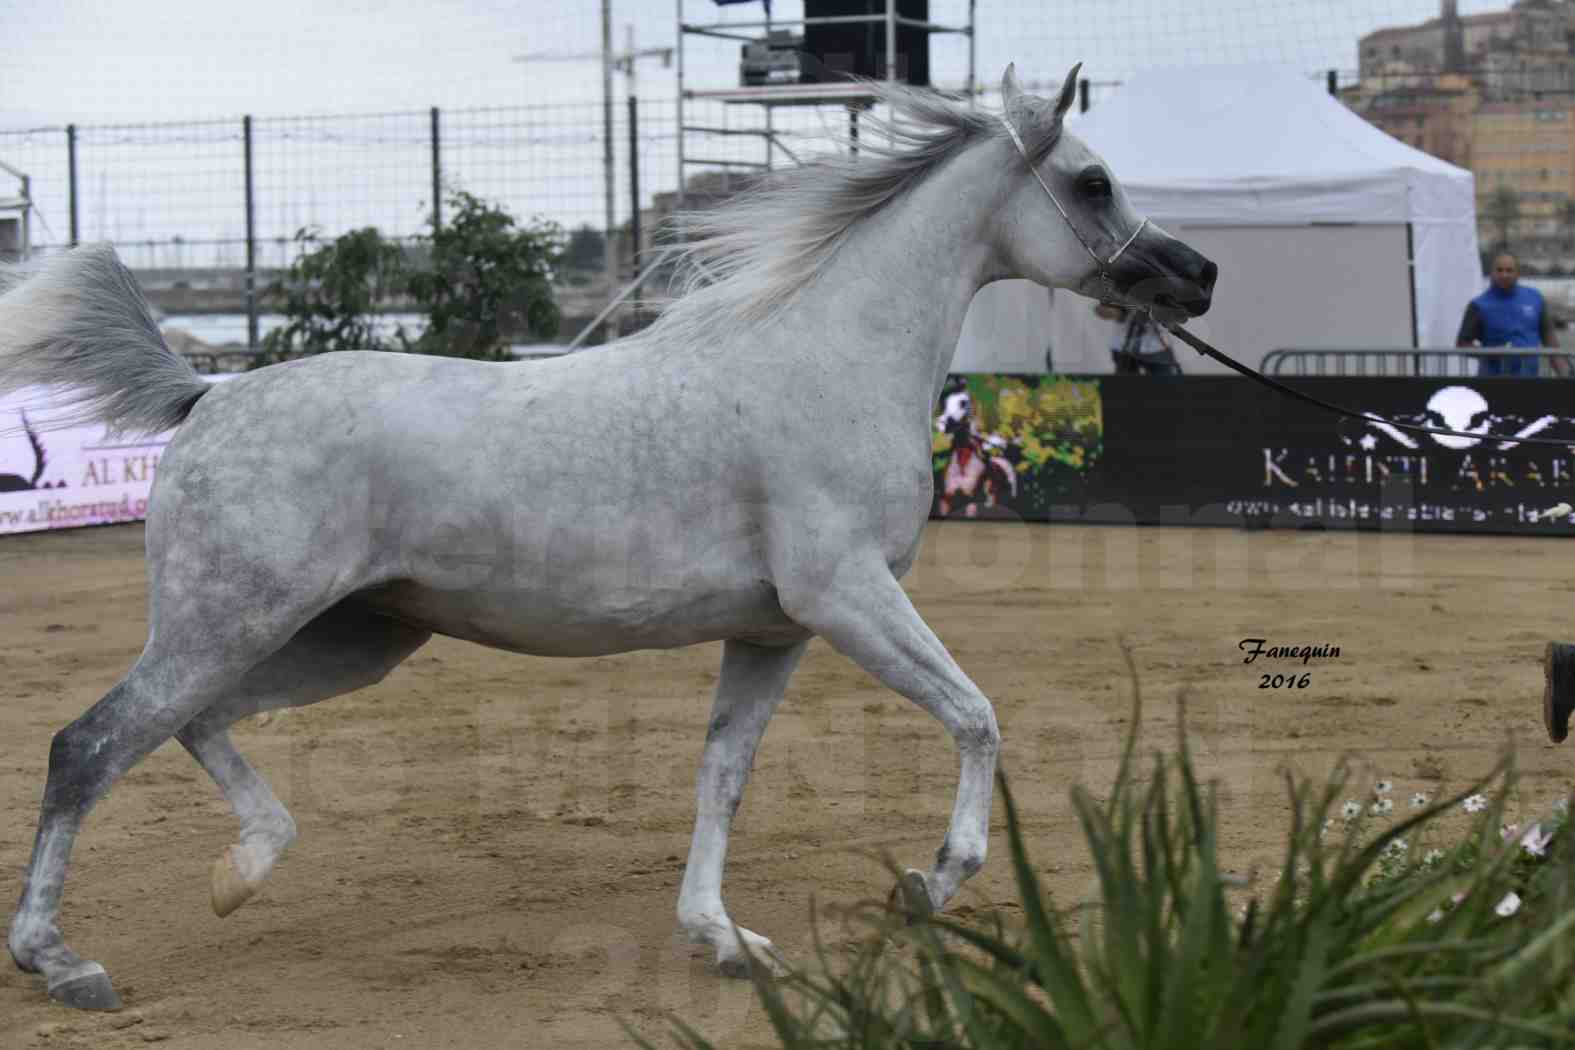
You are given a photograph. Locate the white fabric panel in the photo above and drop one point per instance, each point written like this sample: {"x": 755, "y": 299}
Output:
{"x": 1006, "y": 330}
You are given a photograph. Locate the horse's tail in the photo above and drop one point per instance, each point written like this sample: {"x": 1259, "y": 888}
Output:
{"x": 78, "y": 324}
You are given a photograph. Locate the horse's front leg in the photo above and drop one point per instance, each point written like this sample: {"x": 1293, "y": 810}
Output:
{"x": 750, "y": 687}
{"x": 860, "y": 608}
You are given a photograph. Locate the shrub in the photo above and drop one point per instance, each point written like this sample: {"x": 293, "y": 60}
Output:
{"x": 487, "y": 279}
{"x": 1340, "y": 952}
{"x": 480, "y": 279}
{"x": 331, "y": 292}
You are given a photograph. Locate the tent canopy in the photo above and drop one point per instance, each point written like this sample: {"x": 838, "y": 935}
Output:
{"x": 1265, "y": 146}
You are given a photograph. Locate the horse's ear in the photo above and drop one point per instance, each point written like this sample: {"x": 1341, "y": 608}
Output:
{"x": 1035, "y": 119}
{"x": 1010, "y": 92}
{"x": 1022, "y": 110}
{"x": 1068, "y": 93}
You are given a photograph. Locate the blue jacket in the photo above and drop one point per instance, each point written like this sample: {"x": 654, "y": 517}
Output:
{"x": 1512, "y": 318}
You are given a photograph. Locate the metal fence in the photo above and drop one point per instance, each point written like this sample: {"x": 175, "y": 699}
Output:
{"x": 224, "y": 199}
{"x": 1425, "y": 362}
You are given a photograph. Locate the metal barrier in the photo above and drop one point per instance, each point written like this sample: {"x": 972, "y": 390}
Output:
{"x": 1442, "y": 362}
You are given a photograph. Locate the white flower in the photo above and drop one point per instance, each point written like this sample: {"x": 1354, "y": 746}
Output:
{"x": 1418, "y": 800}
{"x": 1396, "y": 847}
{"x": 1383, "y": 787}
{"x": 1436, "y": 915}
{"x": 1535, "y": 840}
{"x": 1509, "y": 905}
{"x": 1475, "y": 804}
{"x": 1383, "y": 805}
{"x": 1432, "y": 856}
{"x": 1351, "y": 810}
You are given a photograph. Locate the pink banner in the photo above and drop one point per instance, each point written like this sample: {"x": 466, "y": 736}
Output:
{"x": 64, "y": 478}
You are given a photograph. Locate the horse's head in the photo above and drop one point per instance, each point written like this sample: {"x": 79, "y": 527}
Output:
{"x": 1073, "y": 227}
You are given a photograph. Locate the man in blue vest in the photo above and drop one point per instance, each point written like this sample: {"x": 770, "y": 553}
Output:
{"x": 1509, "y": 314}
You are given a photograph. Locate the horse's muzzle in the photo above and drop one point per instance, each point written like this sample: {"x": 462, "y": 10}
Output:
{"x": 1162, "y": 273}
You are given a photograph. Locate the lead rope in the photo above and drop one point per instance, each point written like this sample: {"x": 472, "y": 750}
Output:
{"x": 1208, "y": 351}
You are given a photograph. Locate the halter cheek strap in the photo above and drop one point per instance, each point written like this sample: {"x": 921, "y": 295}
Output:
{"x": 1102, "y": 263}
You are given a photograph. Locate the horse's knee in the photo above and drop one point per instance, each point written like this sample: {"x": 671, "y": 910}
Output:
{"x": 977, "y": 731}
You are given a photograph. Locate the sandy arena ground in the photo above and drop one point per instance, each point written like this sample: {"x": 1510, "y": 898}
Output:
{"x": 491, "y": 844}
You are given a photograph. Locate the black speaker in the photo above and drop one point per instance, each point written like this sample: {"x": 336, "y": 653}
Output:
{"x": 833, "y": 52}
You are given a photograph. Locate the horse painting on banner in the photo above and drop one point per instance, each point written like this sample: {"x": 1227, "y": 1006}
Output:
{"x": 313, "y": 523}
{"x": 976, "y": 473}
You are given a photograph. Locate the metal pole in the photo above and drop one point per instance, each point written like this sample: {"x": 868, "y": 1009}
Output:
{"x": 680, "y": 65}
{"x": 1334, "y": 83}
{"x": 891, "y": 41}
{"x": 27, "y": 215}
{"x": 634, "y": 189}
{"x": 71, "y": 178}
{"x": 1082, "y": 95}
{"x": 973, "y": 83}
{"x": 251, "y": 239}
{"x": 770, "y": 110}
{"x": 608, "y": 185}
{"x": 437, "y": 174}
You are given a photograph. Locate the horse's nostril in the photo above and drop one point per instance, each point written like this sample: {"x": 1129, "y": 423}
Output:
{"x": 1207, "y": 276}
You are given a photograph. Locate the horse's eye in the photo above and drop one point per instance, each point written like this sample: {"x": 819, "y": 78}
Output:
{"x": 1097, "y": 188}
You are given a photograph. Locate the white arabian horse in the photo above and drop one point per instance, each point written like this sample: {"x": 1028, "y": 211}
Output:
{"x": 762, "y": 476}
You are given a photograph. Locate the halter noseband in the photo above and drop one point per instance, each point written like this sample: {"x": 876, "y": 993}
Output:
{"x": 1101, "y": 263}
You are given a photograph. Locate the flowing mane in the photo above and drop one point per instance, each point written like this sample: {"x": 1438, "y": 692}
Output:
{"x": 744, "y": 261}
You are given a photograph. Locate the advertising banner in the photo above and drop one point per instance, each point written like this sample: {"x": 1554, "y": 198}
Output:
{"x": 1225, "y": 451}
{"x": 61, "y": 478}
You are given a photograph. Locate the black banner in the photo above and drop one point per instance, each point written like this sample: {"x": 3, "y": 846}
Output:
{"x": 1225, "y": 451}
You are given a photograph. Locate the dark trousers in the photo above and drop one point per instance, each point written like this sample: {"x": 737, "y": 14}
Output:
{"x": 1161, "y": 364}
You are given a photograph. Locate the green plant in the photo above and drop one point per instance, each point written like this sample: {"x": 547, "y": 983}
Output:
{"x": 479, "y": 279}
{"x": 1330, "y": 956}
{"x": 331, "y": 292}
{"x": 486, "y": 279}
{"x": 586, "y": 250}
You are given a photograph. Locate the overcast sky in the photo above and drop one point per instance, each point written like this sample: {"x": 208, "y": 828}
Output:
{"x": 94, "y": 62}
{"x": 139, "y": 60}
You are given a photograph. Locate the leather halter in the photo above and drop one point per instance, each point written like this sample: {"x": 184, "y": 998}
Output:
{"x": 1104, "y": 275}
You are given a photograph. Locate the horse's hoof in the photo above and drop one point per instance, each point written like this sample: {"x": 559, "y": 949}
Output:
{"x": 755, "y": 951}
{"x": 230, "y": 889}
{"x": 90, "y": 990}
{"x": 1558, "y": 689}
{"x": 912, "y": 896}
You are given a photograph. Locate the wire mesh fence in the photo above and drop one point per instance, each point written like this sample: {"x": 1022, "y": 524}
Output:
{"x": 174, "y": 197}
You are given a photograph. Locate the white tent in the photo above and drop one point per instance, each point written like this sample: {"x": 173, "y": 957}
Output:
{"x": 1312, "y": 214}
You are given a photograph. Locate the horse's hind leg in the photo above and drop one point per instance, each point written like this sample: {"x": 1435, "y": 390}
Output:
{"x": 165, "y": 689}
{"x": 750, "y": 687}
{"x": 341, "y": 651}
{"x": 267, "y": 828}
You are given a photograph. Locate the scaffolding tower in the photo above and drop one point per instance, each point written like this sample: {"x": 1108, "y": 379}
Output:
{"x": 854, "y": 96}
{"x": 16, "y": 217}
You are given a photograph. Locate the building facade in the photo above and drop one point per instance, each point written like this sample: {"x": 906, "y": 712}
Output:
{"x": 1493, "y": 93}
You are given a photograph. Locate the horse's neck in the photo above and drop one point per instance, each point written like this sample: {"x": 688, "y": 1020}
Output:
{"x": 899, "y": 287}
